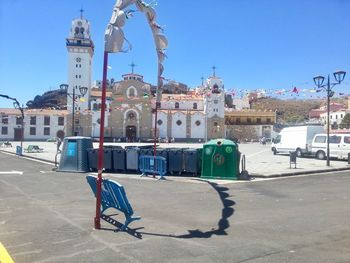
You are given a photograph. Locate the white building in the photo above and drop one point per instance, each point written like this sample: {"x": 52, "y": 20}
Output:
{"x": 39, "y": 124}
{"x": 335, "y": 118}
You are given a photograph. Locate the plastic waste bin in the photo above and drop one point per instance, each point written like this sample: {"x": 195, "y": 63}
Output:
{"x": 132, "y": 158}
{"x": 119, "y": 158}
{"x": 221, "y": 159}
{"x": 190, "y": 161}
{"x": 18, "y": 150}
{"x": 74, "y": 157}
{"x": 199, "y": 159}
{"x": 93, "y": 158}
{"x": 175, "y": 163}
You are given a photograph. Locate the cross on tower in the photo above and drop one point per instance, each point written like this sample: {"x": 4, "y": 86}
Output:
{"x": 132, "y": 65}
{"x": 81, "y": 13}
{"x": 214, "y": 68}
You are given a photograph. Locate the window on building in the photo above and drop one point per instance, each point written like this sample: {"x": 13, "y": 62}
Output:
{"x": 198, "y": 123}
{"x": 131, "y": 93}
{"x": 249, "y": 120}
{"x": 178, "y": 122}
{"x": 18, "y": 120}
{"x": 76, "y": 121}
{"x": 4, "y": 130}
{"x": 46, "y": 120}
{"x": 47, "y": 131}
{"x": 238, "y": 120}
{"x": 258, "y": 120}
{"x": 60, "y": 121}
{"x": 215, "y": 124}
{"x": 268, "y": 120}
{"x": 131, "y": 116}
{"x": 32, "y": 131}
{"x": 160, "y": 122}
{"x": 177, "y": 105}
{"x": 32, "y": 120}
{"x": 195, "y": 106}
{"x": 5, "y": 119}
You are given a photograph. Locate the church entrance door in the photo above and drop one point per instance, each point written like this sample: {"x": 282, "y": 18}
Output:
{"x": 130, "y": 133}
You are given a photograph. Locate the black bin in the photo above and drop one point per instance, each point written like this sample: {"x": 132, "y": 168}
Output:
{"x": 119, "y": 159}
{"x": 191, "y": 161}
{"x": 175, "y": 163}
{"x": 93, "y": 158}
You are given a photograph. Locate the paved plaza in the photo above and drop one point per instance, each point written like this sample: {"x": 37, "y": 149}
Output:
{"x": 260, "y": 162}
{"x": 47, "y": 216}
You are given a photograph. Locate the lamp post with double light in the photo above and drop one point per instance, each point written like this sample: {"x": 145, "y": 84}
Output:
{"x": 16, "y": 105}
{"x": 339, "y": 77}
{"x": 73, "y": 96}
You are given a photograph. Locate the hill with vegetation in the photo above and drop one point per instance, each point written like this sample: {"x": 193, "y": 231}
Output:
{"x": 288, "y": 111}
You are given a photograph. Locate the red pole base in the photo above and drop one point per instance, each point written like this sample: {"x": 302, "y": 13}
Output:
{"x": 97, "y": 223}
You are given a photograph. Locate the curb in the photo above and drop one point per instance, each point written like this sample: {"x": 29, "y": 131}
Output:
{"x": 301, "y": 173}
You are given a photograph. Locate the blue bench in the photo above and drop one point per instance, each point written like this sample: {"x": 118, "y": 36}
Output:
{"x": 113, "y": 196}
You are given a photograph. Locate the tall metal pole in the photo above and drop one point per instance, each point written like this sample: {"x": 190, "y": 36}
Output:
{"x": 22, "y": 127}
{"x": 73, "y": 111}
{"x": 328, "y": 113}
{"x": 100, "y": 148}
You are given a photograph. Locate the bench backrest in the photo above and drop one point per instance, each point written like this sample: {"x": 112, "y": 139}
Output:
{"x": 112, "y": 195}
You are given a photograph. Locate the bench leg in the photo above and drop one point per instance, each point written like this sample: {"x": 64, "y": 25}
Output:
{"x": 129, "y": 220}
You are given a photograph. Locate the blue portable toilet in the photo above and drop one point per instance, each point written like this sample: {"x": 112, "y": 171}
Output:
{"x": 74, "y": 157}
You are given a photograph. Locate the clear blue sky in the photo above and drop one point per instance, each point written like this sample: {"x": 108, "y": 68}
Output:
{"x": 255, "y": 44}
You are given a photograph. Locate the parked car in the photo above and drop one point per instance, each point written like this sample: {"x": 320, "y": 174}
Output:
{"x": 339, "y": 146}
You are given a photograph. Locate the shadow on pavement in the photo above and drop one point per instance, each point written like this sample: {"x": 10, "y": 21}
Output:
{"x": 223, "y": 223}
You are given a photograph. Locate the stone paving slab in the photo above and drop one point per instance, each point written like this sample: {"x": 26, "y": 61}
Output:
{"x": 260, "y": 162}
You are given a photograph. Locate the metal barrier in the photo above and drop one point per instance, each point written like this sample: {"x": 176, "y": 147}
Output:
{"x": 152, "y": 164}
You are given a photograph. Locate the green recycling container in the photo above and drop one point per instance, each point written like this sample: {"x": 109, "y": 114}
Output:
{"x": 220, "y": 160}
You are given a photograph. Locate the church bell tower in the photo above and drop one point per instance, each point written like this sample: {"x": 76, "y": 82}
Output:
{"x": 80, "y": 49}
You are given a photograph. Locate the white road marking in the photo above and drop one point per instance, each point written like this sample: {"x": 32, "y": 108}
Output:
{"x": 11, "y": 172}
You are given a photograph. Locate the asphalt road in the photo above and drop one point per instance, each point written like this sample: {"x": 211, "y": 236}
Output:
{"x": 48, "y": 217}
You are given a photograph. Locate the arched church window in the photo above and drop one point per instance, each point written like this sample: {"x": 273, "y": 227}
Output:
{"x": 178, "y": 122}
{"x": 131, "y": 93}
{"x": 160, "y": 122}
{"x": 82, "y": 30}
{"x": 215, "y": 89}
{"x": 76, "y": 30}
{"x": 195, "y": 106}
{"x": 131, "y": 116}
{"x": 177, "y": 105}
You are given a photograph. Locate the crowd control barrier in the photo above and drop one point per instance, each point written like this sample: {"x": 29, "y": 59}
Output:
{"x": 152, "y": 164}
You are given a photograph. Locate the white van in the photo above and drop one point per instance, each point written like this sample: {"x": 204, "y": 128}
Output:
{"x": 296, "y": 138}
{"x": 339, "y": 146}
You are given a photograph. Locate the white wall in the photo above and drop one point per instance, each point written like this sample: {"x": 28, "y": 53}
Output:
{"x": 178, "y": 131}
{"x": 198, "y": 131}
{"x": 39, "y": 127}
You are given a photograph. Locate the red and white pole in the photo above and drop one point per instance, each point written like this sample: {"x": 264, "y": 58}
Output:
{"x": 100, "y": 148}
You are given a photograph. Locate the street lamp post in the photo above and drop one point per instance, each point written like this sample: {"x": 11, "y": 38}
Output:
{"x": 73, "y": 96}
{"x": 339, "y": 77}
{"x": 17, "y": 106}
